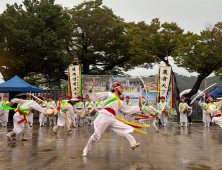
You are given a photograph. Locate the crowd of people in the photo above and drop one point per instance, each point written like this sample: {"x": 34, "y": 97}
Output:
{"x": 109, "y": 111}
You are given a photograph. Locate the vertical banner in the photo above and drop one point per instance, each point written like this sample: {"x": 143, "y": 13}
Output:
{"x": 172, "y": 92}
{"x": 158, "y": 87}
{"x": 75, "y": 80}
{"x": 164, "y": 80}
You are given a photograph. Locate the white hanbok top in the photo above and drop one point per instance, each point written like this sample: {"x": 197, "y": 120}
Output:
{"x": 110, "y": 101}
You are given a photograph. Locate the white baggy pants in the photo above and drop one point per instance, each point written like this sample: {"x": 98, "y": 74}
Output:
{"x": 102, "y": 122}
{"x": 152, "y": 122}
{"x": 22, "y": 128}
{"x": 163, "y": 119}
{"x": 52, "y": 119}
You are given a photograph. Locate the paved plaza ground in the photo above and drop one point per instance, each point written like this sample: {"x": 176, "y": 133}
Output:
{"x": 192, "y": 148}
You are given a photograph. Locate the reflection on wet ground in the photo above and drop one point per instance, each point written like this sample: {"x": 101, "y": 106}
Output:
{"x": 192, "y": 148}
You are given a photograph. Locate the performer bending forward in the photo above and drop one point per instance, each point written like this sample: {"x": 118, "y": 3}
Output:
{"x": 106, "y": 117}
{"x": 63, "y": 119}
{"x": 21, "y": 126}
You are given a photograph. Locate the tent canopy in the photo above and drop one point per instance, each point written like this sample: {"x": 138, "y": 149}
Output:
{"x": 17, "y": 84}
{"x": 216, "y": 93}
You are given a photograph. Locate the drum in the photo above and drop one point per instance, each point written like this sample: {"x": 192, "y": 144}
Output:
{"x": 189, "y": 112}
{"x": 92, "y": 111}
{"x": 83, "y": 114}
{"x": 50, "y": 112}
{"x": 140, "y": 101}
{"x": 55, "y": 112}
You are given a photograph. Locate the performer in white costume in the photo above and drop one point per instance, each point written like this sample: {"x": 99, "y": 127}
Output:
{"x": 63, "y": 119}
{"x": 98, "y": 105}
{"x": 204, "y": 105}
{"x": 163, "y": 115}
{"x": 151, "y": 114}
{"x": 106, "y": 117}
{"x": 89, "y": 105}
{"x": 21, "y": 127}
{"x": 42, "y": 116}
{"x": 30, "y": 115}
{"x": 128, "y": 117}
{"x": 183, "y": 116}
{"x": 51, "y": 105}
{"x": 78, "y": 108}
{"x": 5, "y": 113}
{"x": 215, "y": 111}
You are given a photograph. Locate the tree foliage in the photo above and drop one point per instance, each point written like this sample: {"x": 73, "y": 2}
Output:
{"x": 101, "y": 41}
{"x": 200, "y": 53}
{"x": 33, "y": 38}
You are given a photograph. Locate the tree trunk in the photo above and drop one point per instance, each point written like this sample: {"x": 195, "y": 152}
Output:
{"x": 196, "y": 86}
{"x": 86, "y": 68}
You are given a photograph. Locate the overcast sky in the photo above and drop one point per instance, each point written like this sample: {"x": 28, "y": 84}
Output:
{"x": 190, "y": 15}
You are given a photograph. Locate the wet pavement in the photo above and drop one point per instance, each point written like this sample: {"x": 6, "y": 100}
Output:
{"x": 192, "y": 148}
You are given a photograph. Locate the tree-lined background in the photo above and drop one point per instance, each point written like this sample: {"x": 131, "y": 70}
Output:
{"x": 38, "y": 39}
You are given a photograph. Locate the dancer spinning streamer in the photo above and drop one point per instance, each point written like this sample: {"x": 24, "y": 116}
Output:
{"x": 21, "y": 126}
{"x": 63, "y": 119}
{"x": 151, "y": 114}
{"x": 106, "y": 117}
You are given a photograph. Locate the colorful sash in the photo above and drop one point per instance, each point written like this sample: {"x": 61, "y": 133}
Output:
{"x": 89, "y": 103}
{"x": 113, "y": 100}
{"x": 99, "y": 102}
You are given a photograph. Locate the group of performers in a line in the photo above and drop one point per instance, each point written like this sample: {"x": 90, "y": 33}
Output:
{"x": 108, "y": 107}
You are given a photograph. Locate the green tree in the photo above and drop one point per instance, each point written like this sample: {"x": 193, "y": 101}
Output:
{"x": 158, "y": 41}
{"x": 34, "y": 37}
{"x": 101, "y": 42}
{"x": 200, "y": 53}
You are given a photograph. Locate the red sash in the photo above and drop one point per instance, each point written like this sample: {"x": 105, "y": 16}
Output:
{"x": 111, "y": 111}
{"x": 21, "y": 113}
{"x": 218, "y": 115}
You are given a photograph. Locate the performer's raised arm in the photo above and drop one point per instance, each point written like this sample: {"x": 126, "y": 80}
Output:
{"x": 38, "y": 107}
{"x": 187, "y": 106}
{"x": 20, "y": 101}
{"x": 97, "y": 96}
{"x": 129, "y": 109}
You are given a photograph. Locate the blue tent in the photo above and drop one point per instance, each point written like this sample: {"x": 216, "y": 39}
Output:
{"x": 17, "y": 84}
{"x": 216, "y": 93}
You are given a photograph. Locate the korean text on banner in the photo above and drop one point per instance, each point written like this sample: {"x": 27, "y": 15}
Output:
{"x": 164, "y": 80}
{"x": 74, "y": 75}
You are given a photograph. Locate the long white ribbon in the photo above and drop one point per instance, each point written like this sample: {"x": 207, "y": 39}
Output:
{"x": 202, "y": 92}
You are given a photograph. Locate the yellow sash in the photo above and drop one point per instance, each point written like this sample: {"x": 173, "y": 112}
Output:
{"x": 80, "y": 104}
{"x": 65, "y": 112}
{"x": 119, "y": 103}
{"x": 90, "y": 103}
{"x": 51, "y": 103}
{"x": 100, "y": 103}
